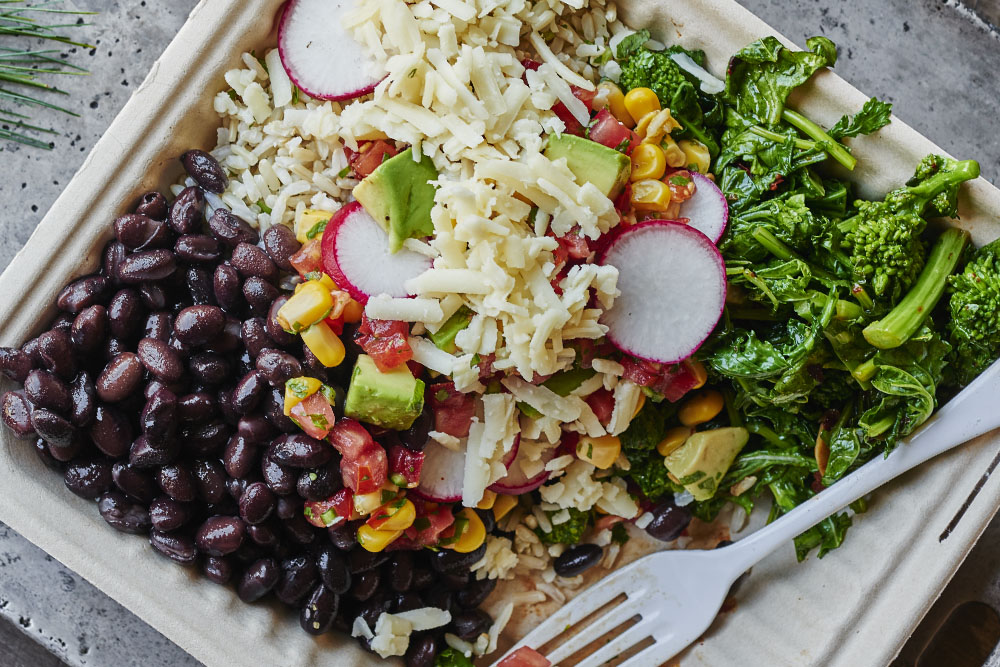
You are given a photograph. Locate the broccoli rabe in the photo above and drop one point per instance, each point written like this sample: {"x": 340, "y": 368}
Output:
{"x": 568, "y": 532}
{"x": 974, "y": 328}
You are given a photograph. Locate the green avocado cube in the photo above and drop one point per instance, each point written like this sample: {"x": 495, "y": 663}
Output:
{"x": 400, "y": 196}
{"x": 591, "y": 162}
{"x": 390, "y": 400}
{"x": 702, "y": 461}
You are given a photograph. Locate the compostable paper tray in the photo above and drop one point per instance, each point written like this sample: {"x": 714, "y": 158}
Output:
{"x": 854, "y": 608}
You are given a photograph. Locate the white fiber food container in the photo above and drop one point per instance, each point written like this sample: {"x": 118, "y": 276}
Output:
{"x": 854, "y": 608}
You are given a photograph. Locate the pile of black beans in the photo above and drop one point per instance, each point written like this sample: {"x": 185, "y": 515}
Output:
{"x": 157, "y": 392}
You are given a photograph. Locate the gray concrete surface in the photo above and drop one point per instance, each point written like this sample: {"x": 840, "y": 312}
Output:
{"x": 937, "y": 61}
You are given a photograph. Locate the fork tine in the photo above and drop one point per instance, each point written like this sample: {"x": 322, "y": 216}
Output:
{"x": 601, "y": 625}
{"x": 619, "y": 645}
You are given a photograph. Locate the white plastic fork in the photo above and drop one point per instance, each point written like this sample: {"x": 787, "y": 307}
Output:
{"x": 677, "y": 594}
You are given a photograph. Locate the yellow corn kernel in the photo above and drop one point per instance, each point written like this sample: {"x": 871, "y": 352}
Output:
{"x": 473, "y": 535}
{"x": 697, "y": 157}
{"x": 308, "y": 305}
{"x": 401, "y": 517}
{"x": 613, "y": 96}
{"x": 673, "y": 440}
{"x": 650, "y": 196}
{"x": 299, "y": 389}
{"x": 366, "y": 503}
{"x": 702, "y": 407}
{"x": 325, "y": 344}
{"x": 600, "y": 452}
{"x": 698, "y": 370}
{"x": 659, "y": 125}
{"x": 503, "y": 505}
{"x": 672, "y": 152}
{"x": 306, "y": 224}
{"x": 648, "y": 163}
{"x": 327, "y": 282}
{"x": 639, "y": 404}
{"x": 641, "y": 101}
{"x": 353, "y": 312}
{"x": 488, "y": 501}
{"x": 371, "y": 135}
{"x": 376, "y": 540}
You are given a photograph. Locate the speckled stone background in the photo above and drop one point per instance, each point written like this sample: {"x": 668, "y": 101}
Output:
{"x": 938, "y": 61}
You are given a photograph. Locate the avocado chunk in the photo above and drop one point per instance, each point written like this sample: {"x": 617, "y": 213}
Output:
{"x": 399, "y": 195}
{"x": 564, "y": 382}
{"x": 390, "y": 400}
{"x": 702, "y": 461}
{"x": 591, "y": 162}
{"x": 444, "y": 337}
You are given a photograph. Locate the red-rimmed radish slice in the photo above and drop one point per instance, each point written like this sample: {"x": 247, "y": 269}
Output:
{"x": 707, "y": 210}
{"x": 321, "y": 58}
{"x": 673, "y": 288}
{"x": 516, "y": 482}
{"x": 443, "y": 474}
{"x": 356, "y": 255}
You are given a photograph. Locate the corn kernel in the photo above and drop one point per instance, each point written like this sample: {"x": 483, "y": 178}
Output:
{"x": 660, "y": 125}
{"x": 697, "y": 157}
{"x": 366, "y": 503}
{"x": 702, "y": 407}
{"x": 327, "y": 282}
{"x": 396, "y": 515}
{"x": 353, "y": 312}
{"x": 615, "y": 99}
{"x": 600, "y": 452}
{"x": 673, "y": 440}
{"x": 299, "y": 389}
{"x": 638, "y": 406}
{"x": 325, "y": 344}
{"x": 308, "y": 305}
{"x": 376, "y": 540}
{"x": 306, "y": 224}
{"x": 503, "y": 505}
{"x": 648, "y": 163}
{"x": 650, "y": 196}
{"x": 489, "y": 499}
{"x": 698, "y": 370}
{"x": 672, "y": 152}
{"x": 473, "y": 535}
{"x": 641, "y": 101}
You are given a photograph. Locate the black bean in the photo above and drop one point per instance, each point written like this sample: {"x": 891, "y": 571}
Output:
{"x": 400, "y": 569}
{"x": 255, "y": 429}
{"x": 197, "y": 249}
{"x": 220, "y": 535}
{"x": 300, "y": 531}
{"x": 280, "y": 244}
{"x": 422, "y": 579}
{"x": 280, "y": 479}
{"x": 178, "y": 548}
{"x": 250, "y": 260}
{"x": 205, "y": 439}
{"x": 82, "y": 293}
{"x": 255, "y": 337}
{"x": 454, "y": 581}
{"x": 120, "y": 378}
{"x": 112, "y": 348}
{"x": 196, "y": 408}
{"x": 56, "y": 431}
{"x": 56, "y": 351}
{"x": 230, "y": 229}
{"x": 468, "y": 625}
{"x": 489, "y": 520}
{"x": 217, "y": 570}
{"x": 265, "y": 534}
{"x": 300, "y": 451}
{"x": 333, "y": 570}
{"x": 32, "y": 350}
{"x": 84, "y": 401}
{"x": 259, "y": 579}
{"x": 152, "y": 296}
{"x": 123, "y": 514}
{"x": 15, "y": 364}
{"x": 160, "y": 360}
{"x": 577, "y": 559}
{"x": 374, "y": 607}
{"x": 344, "y": 537}
{"x": 88, "y": 479}
{"x": 406, "y": 602}
{"x": 452, "y": 561}
{"x": 257, "y": 503}
{"x": 278, "y": 367}
{"x": 274, "y": 330}
{"x": 415, "y": 437}
{"x": 475, "y": 593}
{"x": 45, "y": 456}
{"x": 159, "y": 417}
{"x": 186, "y": 211}
{"x": 209, "y": 368}
{"x": 111, "y": 431}
{"x": 319, "y": 611}
{"x": 16, "y": 413}
{"x": 147, "y": 265}
{"x": 125, "y": 314}
{"x": 360, "y": 560}
{"x": 89, "y": 328}
{"x": 226, "y": 287}
{"x": 177, "y": 481}
{"x": 229, "y": 339}
{"x": 298, "y": 578}
{"x": 139, "y": 232}
{"x": 167, "y": 514}
{"x": 312, "y": 366}
{"x": 198, "y": 325}
{"x": 224, "y": 399}
{"x": 67, "y": 452}
{"x": 259, "y": 294}
{"x": 158, "y": 327}
{"x": 153, "y": 205}
{"x": 111, "y": 260}
{"x": 206, "y": 170}
{"x": 134, "y": 482}
{"x": 422, "y": 652}
{"x": 210, "y": 478}
{"x": 248, "y": 393}
{"x": 199, "y": 286}
{"x": 239, "y": 456}
{"x": 365, "y": 584}
{"x": 145, "y": 454}
{"x": 669, "y": 521}
{"x": 63, "y": 322}
{"x": 45, "y": 390}
{"x": 319, "y": 483}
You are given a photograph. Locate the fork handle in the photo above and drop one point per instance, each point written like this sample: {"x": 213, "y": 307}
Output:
{"x": 973, "y": 412}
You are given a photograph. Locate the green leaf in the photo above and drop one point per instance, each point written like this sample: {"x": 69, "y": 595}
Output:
{"x": 874, "y": 115}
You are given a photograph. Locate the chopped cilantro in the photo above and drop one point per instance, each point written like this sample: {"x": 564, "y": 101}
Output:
{"x": 345, "y": 172}
{"x": 619, "y": 535}
{"x": 679, "y": 181}
{"x": 387, "y": 496}
{"x": 328, "y": 516}
{"x": 298, "y": 386}
{"x": 317, "y": 229}
{"x": 262, "y": 205}
{"x": 528, "y": 411}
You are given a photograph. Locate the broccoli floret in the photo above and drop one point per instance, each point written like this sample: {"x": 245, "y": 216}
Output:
{"x": 974, "y": 328}
{"x": 883, "y": 241}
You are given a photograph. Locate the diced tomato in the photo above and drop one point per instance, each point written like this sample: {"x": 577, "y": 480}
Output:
{"x": 432, "y": 520}
{"x": 369, "y": 156}
{"x": 682, "y": 186}
{"x": 405, "y": 466}
{"x": 350, "y": 438}
{"x": 530, "y": 64}
{"x": 385, "y": 341}
{"x": 332, "y": 512}
{"x": 573, "y": 126}
{"x": 567, "y": 443}
{"x": 336, "y": 325}
{"x": 575, "y": 246}
{"x": 602, "y": 402}
{"x": 525, "y": 657}
{"x": 453, "y": 410}
{"x": 673, "y": 381}
{"x": 607, "y": 130}
{"x": 364, "y": 466}
{"x": 314, "y": 415}
{"x": 309, "y": 258}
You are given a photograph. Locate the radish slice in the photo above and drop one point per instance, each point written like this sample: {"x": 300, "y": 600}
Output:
{"x": 441, "y": 478}
{"x": 516, "y": 482}
{"x": 707, "y": 210}
{"x": 356, "y": 255}
{"x": 673, "y": 288}
{"x": 320, "y": 56}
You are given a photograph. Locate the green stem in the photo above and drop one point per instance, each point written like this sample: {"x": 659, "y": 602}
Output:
{"x": 862, "y": 296}
{"x": 801, "y": 144}
{"x": 865, "y": 371}
{"x": 773, "y": 244}
{"x": 836, "y": 150}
